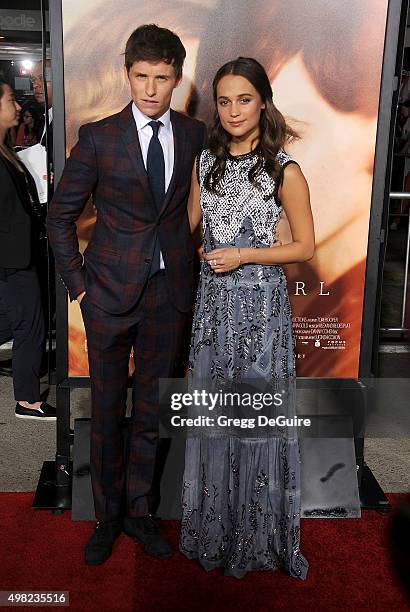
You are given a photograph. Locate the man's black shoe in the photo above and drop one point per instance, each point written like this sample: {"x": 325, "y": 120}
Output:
{"x": 44, "y": 413}
{"x": 146, "y": 531}
{"x": 99, "y": 546}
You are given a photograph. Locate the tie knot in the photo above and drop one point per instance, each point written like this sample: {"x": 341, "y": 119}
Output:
{"x": 155, "y": 127}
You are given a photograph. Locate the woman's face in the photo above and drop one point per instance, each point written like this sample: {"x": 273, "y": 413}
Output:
{"x": 28, "y": 119}
{"x": 9, "y": 109}
{"x": 239, "y": 107}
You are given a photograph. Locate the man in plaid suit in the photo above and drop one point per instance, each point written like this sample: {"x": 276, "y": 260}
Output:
{"x": 136, "y": 280}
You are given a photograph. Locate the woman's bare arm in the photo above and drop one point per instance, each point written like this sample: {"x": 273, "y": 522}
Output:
{"x": 295, "y": 199}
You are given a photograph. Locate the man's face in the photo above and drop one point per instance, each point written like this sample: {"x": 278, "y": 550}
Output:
{"x": 38, "y": 85}
{"x": 152, "y": 84}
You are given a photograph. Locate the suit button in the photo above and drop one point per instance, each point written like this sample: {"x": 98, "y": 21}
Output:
{"x": 147, "y": 260}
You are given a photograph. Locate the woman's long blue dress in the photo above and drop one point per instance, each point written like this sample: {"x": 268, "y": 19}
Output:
{"x": 241, "y": 495}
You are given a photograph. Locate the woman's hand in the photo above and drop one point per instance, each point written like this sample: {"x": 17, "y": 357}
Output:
{"x": 224, "y": 260}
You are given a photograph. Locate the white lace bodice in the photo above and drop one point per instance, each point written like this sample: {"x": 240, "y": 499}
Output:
{"x": 224, "y": 214}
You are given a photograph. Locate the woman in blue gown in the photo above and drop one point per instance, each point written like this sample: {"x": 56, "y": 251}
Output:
{"x": 241, "y": 495}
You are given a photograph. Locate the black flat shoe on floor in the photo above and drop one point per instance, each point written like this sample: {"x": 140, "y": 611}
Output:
{"x": 44, "y": 413}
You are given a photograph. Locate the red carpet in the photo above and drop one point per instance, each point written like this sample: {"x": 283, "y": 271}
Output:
{"x": 350, "y": 568}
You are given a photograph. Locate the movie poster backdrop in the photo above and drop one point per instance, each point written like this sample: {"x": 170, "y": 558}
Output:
{"x": 324, "y": 61}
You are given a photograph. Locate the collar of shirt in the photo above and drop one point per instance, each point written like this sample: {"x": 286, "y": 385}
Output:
{"x": 142, "y": 120}
{"x": 165, "y": 136}
{"x": 167, "y": 142}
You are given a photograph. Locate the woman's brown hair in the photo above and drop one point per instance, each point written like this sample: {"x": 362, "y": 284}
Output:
{"x": 273, "y": 130}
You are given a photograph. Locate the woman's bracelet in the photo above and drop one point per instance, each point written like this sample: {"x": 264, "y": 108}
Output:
{"x": 239, "y": 256}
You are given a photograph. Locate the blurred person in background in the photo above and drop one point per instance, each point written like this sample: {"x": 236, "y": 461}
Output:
{"x": 45, "y": 260}
{"x": 21, "y": 313}
{"x": 37, "y": 80}
{"x": 27, "y": 131}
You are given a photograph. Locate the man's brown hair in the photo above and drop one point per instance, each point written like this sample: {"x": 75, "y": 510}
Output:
{"x": 154, "y": 44}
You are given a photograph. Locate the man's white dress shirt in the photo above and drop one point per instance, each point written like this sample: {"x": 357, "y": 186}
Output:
{"x": 165, "y": 137}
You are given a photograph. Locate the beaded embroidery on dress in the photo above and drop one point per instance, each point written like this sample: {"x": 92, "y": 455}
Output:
{"x": 241, "y": 496}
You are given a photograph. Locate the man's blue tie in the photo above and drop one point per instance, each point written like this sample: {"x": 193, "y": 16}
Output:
{"x": 156, "y": 179}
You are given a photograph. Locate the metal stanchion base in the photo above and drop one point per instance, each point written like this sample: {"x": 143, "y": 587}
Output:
{"x": 372, "y": 496}
{"x": 49, "y": 495}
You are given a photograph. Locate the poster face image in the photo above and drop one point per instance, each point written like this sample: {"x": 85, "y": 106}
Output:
{"x": 324, "y": 61}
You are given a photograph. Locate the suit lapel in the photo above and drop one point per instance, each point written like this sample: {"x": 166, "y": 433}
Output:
{"x": 179, "y": 152}
{"x": 130, "y": 138}
{"x": 131, "y": 141}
